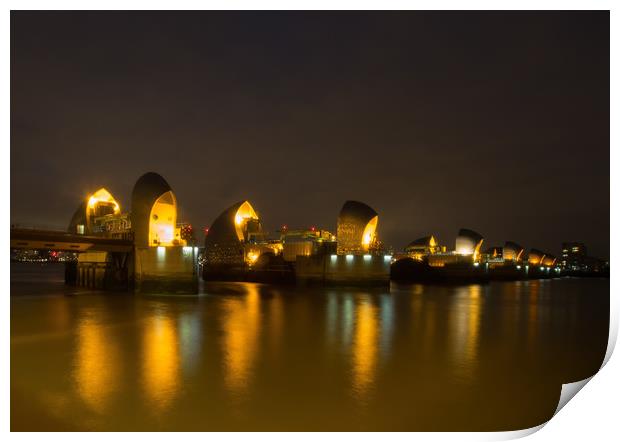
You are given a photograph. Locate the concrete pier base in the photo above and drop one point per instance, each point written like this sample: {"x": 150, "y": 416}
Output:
{"x": 343, "y": 269}
{"x": 99, "y": 270}
{"x": 166, "y": 270}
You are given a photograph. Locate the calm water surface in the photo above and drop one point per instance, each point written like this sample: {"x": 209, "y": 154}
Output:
{"x": 244, "y": 356}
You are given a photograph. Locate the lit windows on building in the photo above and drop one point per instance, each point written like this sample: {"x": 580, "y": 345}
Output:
{"x": 574, "y": 255}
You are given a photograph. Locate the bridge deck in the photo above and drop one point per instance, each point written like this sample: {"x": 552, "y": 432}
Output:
{"x": 58, "y": 240}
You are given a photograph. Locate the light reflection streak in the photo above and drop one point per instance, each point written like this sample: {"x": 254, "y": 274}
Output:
{"x": 387, "y": 324}
{"x": 465, "y": 317}
{"x": 365, "y": 346}
{"x": 347, "y": 320}
{"x": 276, "y": 319}
{"x": 363, "y": 323}
{"x": 96, "y": 369}
{"x": 161, "y": 361}
{"x": 332, "y": 316}
{"x": 532, "y": 320}
{"x": 190, "y": 337}
{"x": 241, "y": 326}
{"x": 60, "y": 316}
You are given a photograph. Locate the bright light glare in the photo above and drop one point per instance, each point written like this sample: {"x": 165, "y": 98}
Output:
{"x": 369, "y": 231}
{"x": 102, "y": 195}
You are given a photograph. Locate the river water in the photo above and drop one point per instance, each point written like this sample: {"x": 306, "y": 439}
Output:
{"x": 243, "y": 356}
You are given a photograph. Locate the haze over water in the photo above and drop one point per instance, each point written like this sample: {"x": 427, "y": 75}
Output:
{"x": 243, "y": 356}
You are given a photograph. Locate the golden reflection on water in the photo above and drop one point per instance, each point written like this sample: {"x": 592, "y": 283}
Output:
{"x": 348, "y": 312}
{"x": 241, "y": 326}
{"x": 417, "y": 289}
{"x": 96, "y": 368}
{"x": 60, "y": 315}
{"x": 276, "y": 320}
{"x": 190, "y": 341}
{"x": 424, "y": 314}
{"x": 534, "y": 292}
{"x": 387, "y": 324}
{"x": 161, "y": 361}
{"x": 466, "y": 330}
{"x": 475, "y": 303}
{"x": 365, "y": 345}
{"x": 450, "y": 362}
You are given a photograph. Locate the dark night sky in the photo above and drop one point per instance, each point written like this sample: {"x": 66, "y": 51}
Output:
{"x": 497, "y": 122}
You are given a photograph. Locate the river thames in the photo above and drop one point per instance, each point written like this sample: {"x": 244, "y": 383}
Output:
{"x": 243, "y": 356}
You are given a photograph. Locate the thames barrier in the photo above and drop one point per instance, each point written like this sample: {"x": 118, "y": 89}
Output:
{"x": 145, "y": 250}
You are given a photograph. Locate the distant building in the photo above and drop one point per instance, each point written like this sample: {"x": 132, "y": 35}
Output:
{"x": 595, "y": 265}
{"x": 306, "y": 242}
{"x": 575, "y": 259}
{"x": 34, "y": 255}
{"x": 574, "y": 255}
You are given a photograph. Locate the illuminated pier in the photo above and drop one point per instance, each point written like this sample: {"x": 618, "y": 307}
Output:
{"x": 145, "y": 249}
{"x": 426, "y": 260}
{"x": 237, "y": 248}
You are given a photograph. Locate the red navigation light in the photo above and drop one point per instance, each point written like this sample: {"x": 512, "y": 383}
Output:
{"x": 206, "y": 230}
{"x": 313, "y": 228}
{"x": 284, "y": 227}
